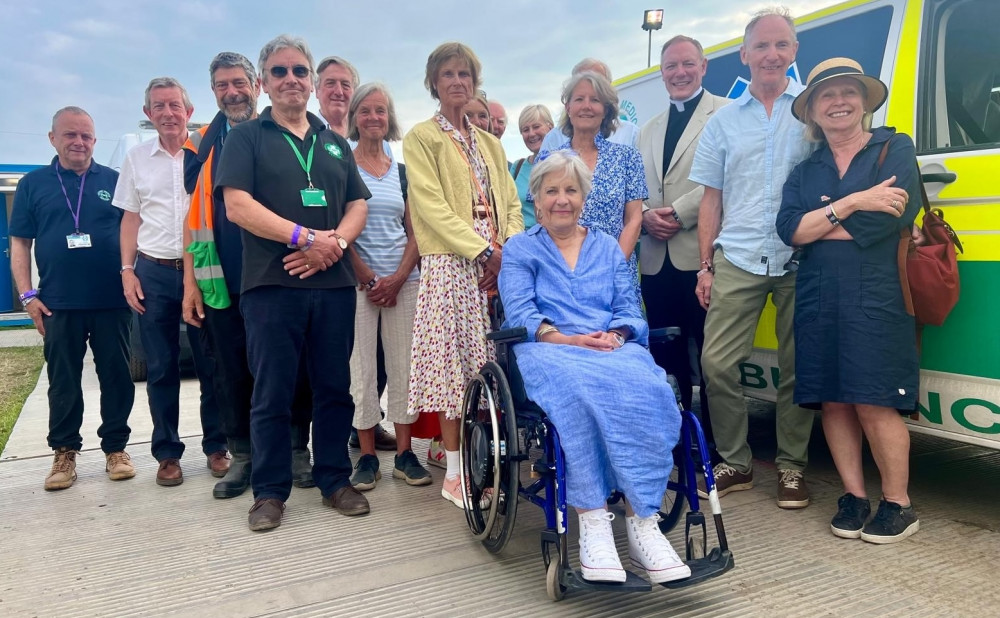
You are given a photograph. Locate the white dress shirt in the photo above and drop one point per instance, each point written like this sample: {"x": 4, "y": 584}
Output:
{"x": 151, "y": 183}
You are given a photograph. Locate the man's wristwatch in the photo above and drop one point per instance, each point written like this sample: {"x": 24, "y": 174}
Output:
{"x": 341, "y": 242}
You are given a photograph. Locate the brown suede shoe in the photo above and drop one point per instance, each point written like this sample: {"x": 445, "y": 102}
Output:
{"x": 348, "y": 501}
{"x": 218, "y": 463}
{"x": 119, "y": 466}
{"x": 63, "y": 472}
{"x": 265, "y": 514}
{"x": 170, "y": 473}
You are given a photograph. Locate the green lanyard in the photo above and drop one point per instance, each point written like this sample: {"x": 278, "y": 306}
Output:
{"x": 305, "y": 163}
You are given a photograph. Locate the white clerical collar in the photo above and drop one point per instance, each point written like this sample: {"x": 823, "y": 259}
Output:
{"x": 680, "y": 104}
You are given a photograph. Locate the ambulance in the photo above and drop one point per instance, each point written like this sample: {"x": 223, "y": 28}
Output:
{"x": 941, "y": 61}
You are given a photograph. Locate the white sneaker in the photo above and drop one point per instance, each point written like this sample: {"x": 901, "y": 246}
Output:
{"x": 436, "y": 456}
{"x": 598, "y": 555}
{"x": 650, "y": 550}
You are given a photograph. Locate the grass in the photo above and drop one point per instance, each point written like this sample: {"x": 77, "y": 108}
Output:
{"x": 19, "y": 369}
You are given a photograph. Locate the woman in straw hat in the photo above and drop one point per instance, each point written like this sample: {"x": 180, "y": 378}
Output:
{"x": 844, "y": 208}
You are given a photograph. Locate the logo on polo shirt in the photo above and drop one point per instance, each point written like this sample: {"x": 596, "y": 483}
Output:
{"x": 335, "y": 151}
{"x": 104, "y": 195}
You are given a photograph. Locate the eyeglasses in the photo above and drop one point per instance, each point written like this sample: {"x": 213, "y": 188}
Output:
{"x": 300, "y": 70}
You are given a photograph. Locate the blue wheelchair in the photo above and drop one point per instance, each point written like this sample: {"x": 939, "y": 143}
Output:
{"x": 501, "y": 429}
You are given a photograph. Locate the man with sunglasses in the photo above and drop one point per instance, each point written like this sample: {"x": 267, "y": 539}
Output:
{"x": 293, "y": 187}
{"x": 151, "y": 192}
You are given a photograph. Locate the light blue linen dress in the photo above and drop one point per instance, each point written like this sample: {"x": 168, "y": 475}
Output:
{"x": 616, "y": 415}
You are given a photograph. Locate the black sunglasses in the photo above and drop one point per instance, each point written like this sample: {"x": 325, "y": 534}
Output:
{"x": 299, "y": 70}
{"x": 792, "y": 265}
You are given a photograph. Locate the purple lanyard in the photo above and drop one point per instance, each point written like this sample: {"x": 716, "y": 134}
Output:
{"x": 79, "y": 199}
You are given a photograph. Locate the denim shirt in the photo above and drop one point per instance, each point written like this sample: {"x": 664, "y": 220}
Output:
{"x": 749, "y": 155}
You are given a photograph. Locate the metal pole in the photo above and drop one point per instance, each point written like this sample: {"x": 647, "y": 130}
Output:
{"x": 649, "y": 50}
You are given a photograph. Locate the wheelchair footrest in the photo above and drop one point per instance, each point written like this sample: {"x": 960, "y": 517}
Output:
{"x": 714, "y": 564}
{"x": 632, "y": 583}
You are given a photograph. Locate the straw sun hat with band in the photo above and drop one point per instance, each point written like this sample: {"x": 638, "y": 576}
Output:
{"x": 875, "y": 92}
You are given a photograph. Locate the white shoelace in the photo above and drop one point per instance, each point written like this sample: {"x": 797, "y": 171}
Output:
{"x": 600, "y": 537}
{"x": 723, "y": 469}
{"x": 790, "y": 478}
{"x": 648, "y": 534}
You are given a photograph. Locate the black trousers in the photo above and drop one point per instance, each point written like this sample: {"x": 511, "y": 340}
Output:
{"x": 283, "y": 325}
{"x": 67, "y": 332}
{"x": 225, "y": 340}
{"x": 670, "y": 301}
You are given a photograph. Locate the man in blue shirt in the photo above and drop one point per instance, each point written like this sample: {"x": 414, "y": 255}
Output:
{"x": 65, "y": 210}
{"x": 745, "y": 154}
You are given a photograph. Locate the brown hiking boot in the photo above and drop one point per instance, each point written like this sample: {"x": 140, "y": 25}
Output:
{"x": 119, "y": 466}
{"x": 63, "y": 471}
{"x": 792, "y": 490}
{"x": 727, "y": 479}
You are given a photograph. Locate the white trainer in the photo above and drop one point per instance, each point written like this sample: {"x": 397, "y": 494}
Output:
{"x": 650, "y": 550}
{"x": 599, "y": 560}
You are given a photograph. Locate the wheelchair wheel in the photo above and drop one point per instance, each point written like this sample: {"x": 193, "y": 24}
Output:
{"x": 674, "y": 497}
{"x": 489, "y": 457}
{"x": 553, "y": 586}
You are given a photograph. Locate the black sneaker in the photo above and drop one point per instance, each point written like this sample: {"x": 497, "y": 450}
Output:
{"x": 408, "y": 468}
{"x": 366, "y": 473}
{"x": 852, "y": 512}
{"x": 892, "y": 523}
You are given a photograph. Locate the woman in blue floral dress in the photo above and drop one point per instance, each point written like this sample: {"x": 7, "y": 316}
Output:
{"x": 614, "y": 205}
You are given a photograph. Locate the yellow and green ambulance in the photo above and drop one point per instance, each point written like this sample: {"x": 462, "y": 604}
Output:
{"x": 941, "y": 60}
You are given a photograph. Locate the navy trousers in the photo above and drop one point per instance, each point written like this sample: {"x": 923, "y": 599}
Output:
{"x": 159, "y": 330}
{"x": 284, "y": 325}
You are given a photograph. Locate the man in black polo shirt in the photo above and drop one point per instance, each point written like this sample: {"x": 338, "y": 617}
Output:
{"x": 295, "y": 190}
{"x": 66, "y": 208}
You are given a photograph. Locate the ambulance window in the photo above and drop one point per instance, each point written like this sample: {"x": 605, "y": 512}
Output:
{"x": 961, "y": 76}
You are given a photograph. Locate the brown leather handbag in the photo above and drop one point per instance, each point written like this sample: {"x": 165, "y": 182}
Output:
{"x": 928, "y": 273}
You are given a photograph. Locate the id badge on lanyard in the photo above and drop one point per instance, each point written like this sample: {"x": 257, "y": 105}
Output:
{"x": 311, "y": 196}
{"x": 76, "y": 240}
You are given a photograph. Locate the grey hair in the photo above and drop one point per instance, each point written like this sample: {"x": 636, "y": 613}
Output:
{"x": 283, "y": 41}
{"x": 326, "y": 62}
{"x": 232, "y": 60}
{"x": 69, "y": 109}
{"x": 535, "y": 112}
{"x": 168, "y": 82}
{"x": 774, "y": 11}
{"x": 588, "y": 64}
{"x": 560, "y": 162}
{"x": 605, "y": 93}
{"x": 393, "y": 134}
{"x": 680, "y": 38}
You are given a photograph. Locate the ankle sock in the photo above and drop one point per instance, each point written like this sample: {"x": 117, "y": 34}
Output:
{"x": 451, "y": 458}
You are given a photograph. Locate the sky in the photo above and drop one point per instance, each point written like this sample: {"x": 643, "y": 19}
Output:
{"x": 101, "y": 54}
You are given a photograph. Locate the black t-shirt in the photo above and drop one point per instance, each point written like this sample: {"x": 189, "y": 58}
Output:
{"x": 83, "y": 278}
{"x": 258, "y": 159}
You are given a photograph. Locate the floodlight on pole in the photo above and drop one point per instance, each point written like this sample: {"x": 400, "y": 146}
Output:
{"x": 652, "y": 19}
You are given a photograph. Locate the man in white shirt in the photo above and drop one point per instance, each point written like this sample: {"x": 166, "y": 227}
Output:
{"x": 627, "y": 133}
{"x": 151, "y": 192}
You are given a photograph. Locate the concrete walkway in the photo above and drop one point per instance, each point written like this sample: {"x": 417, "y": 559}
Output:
{"x": 133, "y": 548}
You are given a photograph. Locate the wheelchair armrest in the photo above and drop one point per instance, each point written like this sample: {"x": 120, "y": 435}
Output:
{"x": 508, "y": 335}
{"x": 669, "y": 333}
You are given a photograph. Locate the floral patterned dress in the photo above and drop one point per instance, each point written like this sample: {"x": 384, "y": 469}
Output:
{"x": 452, "y": 314}
{"x": 619, "y": 178}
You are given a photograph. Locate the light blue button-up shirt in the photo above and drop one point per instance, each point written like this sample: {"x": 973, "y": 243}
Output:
{"x": 748, "y": 155}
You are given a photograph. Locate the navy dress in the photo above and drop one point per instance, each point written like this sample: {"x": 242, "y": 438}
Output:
{"x": 854, "y": 341}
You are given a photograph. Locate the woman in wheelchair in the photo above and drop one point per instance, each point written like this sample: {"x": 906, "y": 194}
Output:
{"x": 585, "y": 363}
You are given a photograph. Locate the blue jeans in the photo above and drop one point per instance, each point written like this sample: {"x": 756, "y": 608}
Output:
{"x": 159, "y": 330}
{"x": 284, "y": 325}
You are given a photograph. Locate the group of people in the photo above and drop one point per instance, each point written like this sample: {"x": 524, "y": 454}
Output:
{"x": 314, "y": 270}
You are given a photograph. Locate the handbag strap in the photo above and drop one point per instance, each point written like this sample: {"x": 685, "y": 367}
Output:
{"x": 903, "y": 250}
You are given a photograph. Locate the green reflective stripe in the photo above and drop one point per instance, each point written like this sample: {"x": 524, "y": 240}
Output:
{"x": 208, "y": 274}
{"x": 305, "y": 163}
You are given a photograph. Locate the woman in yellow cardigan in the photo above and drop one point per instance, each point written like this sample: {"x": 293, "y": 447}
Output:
{"x": 463, "y": 206}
